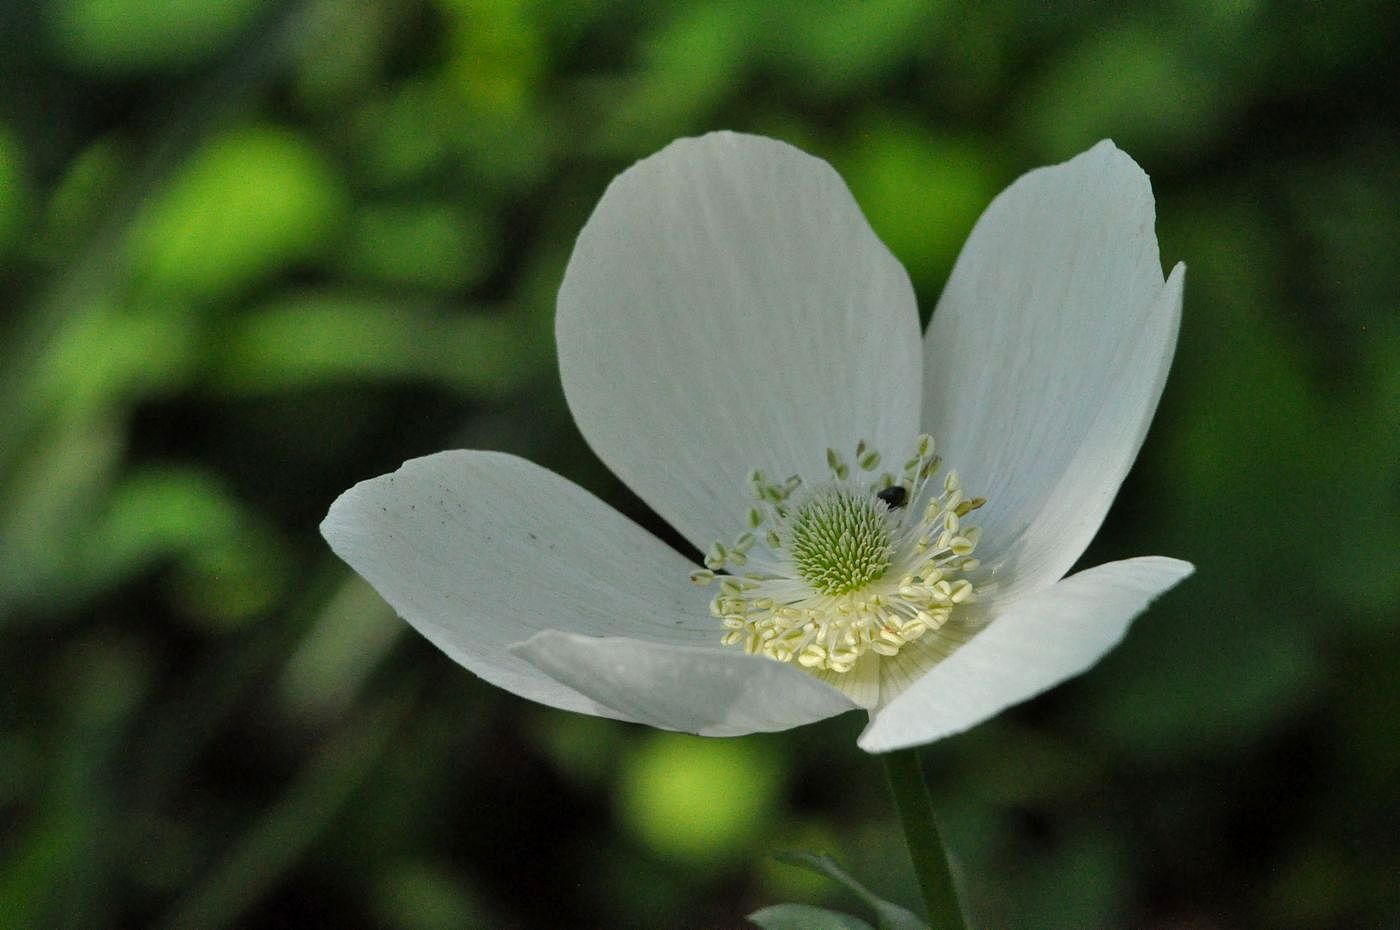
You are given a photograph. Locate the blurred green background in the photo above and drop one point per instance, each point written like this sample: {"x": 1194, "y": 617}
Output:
{"x": 254, "y": 252}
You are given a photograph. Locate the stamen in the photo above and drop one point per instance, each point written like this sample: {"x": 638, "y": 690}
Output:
{"x": 849, "y": 571}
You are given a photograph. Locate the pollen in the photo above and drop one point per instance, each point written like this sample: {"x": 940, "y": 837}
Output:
{"x": 857, "y": 569}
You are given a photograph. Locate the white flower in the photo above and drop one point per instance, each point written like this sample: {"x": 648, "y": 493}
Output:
{"x": 728, "y": 320}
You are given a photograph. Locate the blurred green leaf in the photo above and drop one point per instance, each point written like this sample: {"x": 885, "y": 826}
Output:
{"x": 231, "y": 580}
{"x": 841, "y": 47}
{"x": 890, "y": 916}
{"x": 78, "y": 201}
{"x": 497, "y": 53}
{"x": 226, "y": 565}
{"x": 1131, "y": 83}
{"x": 108, "y": 356}
{"x": 161, "y": 511}
{"x": 48, "y": 507}
{"x": 780, "y": 881}
{"x": 430, "y": 246}
{"x": 250, "y": 203}
{"x": 344, "y": 60}
{"x": 145, "y": 35}
{"x": 690, "y": 64}
{"x": 585, "y": 749}
{"x": 921, "y": 190}
{"x": 345, "y": 644}
{"x": 401, "y": 133}
{"x": 804, "y": 917}
{"x": 304, "y": 340}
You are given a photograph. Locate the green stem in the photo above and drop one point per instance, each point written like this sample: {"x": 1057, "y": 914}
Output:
{"x": 925, "y": 846}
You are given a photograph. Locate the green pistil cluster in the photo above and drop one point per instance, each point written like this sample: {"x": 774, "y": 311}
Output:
{"x": 841, "y": 541}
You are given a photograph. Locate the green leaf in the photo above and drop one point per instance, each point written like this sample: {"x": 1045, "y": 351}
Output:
{"x": 891, "y": 916}
{"x": 248, "y": 205}
{"x": 805, "y": 917}
{"x": 135, "y": 36}
{"x": 308, "y": 339}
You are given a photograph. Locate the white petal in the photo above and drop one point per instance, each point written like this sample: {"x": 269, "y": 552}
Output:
{"x": 1033, "y": 644}
{"x": 694, "y": 690}
{"x": 480, "y": 550}
{"x": 727, "y": 308}
{"x": 1046, "y": 357}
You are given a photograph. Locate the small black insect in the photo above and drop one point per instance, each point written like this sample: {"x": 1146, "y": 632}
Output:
{"x": 894, "y": 496}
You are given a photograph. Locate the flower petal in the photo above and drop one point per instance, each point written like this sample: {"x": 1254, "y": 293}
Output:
{"x": 694, "y": 690}
{"x": 1033, "y": 644}
{"x": 727, "y": 308}
{"x": 1046, "y": 357}
{"x": 479, "y": 550}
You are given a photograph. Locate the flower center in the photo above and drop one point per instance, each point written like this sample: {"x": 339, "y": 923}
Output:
{"x": 841, "y": 540}
{"x": 838, "y": 575}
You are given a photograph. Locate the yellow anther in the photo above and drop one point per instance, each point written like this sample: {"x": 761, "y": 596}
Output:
{"x": 840, "y": 570}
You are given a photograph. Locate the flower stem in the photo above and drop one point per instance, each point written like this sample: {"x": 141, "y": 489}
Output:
{"x": 911, "y": 798}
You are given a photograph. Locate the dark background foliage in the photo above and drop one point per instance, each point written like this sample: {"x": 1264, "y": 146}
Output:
{"x": 252, "y": 253}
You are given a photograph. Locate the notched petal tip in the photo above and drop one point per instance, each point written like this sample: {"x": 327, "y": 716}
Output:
{"x": 1064, "y": 275}
{"x": 1107, "y": 153}
{"x": 1167, "y": 565}
{"x": 1177, "y": 278}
